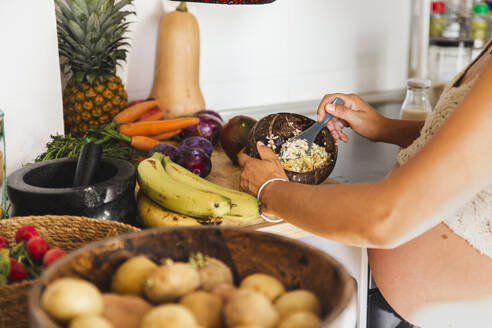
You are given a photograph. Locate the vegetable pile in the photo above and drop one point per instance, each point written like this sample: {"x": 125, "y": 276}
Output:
{"x": 27, "y": 259}
{"x": 137, "y": 130}
{"x": 198, "y": 293}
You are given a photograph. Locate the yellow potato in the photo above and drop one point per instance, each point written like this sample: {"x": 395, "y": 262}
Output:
{"x": 297, "y": 300}
{"x": 265, "y": 284}
{"x": 224, "y": 291}
{"x": 206, "y": 307}
{"x": 124, "y": 311}
{"x": 90, "y": 321}
{"x": 131, "y": 275}
{"x": 300, "y": 319}
{"x": 247, "y": 307}
{"x": 169, "y": 316}
{"x": 171, "y": 281}
{"x": 213, "y": 273}
{"x": 68, "y": 298}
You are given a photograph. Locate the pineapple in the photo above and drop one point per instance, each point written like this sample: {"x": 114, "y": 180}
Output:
{"x": 91, "y": 44}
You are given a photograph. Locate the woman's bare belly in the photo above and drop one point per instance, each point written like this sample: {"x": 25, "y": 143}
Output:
{"x": 438, "y": 267}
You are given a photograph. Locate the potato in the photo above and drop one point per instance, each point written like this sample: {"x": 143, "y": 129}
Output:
{"x": 90, "y": 321}
{"x": 206, "y": 307}
{"x": 124, "y": 311}
{"x": 300, "y": 319}
{"x": 169, "y": 316}
{"x": 224, "y": 291}
{"x": 297, "y": 300}
{"x": 213, "y": 272}
{"x": 171, "y": 281}
{"x": 67, "y": 298}
{"x": 131, "y": 275}
{"x": 247, "y": 307}
{"x": 265, "y": 284}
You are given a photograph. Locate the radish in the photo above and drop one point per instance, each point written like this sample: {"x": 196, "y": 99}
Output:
{"x": 25, "y": 233}
{"x": 52, "y": 255}
{"x": 17, "y": 271}
{"x": 37, "y": 247}
{"x": 3, "y": 243}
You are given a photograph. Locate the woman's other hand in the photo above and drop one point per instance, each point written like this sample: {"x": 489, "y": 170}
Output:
{"x": 356, "y": 114}
{"x": 257, "y": 171}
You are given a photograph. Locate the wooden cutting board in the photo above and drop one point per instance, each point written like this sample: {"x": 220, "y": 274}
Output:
{"x": 227, "y": 175}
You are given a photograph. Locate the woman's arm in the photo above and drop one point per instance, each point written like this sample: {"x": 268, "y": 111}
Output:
{"x": 366, "y": 121}
{"x": 448, "y": 171}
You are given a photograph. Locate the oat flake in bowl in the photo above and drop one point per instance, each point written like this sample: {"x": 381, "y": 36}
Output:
{"x": 293, "y": 156}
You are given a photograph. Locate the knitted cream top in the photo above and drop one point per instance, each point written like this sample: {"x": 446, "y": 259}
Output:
{"x": 473, "y": 221}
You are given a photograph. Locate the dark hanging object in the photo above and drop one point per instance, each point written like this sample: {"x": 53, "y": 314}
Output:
{"x": 233, "y": 2}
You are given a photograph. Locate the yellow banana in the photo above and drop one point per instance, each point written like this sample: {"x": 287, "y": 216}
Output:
{"x": 176, "y": 196}
{"x": 152, "y": 215}
{"x": 244, "y": 206}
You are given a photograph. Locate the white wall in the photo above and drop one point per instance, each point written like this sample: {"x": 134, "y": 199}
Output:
{"x": 30, "y": 90}
{"x": 290, "y": 50}
{"x": 287, "y": 51}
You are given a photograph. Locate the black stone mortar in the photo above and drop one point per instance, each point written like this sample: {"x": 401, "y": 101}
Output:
{"x": 46, "y": 188}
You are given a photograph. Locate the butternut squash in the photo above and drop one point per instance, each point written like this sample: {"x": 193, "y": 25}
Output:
{"x": 176, "y": 79}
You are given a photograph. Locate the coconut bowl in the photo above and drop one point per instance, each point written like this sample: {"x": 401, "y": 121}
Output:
{"x": 296, "y": 264}
{"x": 282, "y": 126}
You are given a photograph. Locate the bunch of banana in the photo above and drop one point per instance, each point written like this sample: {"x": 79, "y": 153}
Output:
{"x": 169, "y": 188}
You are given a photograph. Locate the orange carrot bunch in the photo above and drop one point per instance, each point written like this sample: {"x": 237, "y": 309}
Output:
{"x": 144, "y": 125}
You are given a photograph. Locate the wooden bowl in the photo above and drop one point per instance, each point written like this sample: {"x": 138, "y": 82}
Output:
{"x": 296, "y": 264}
{"x": 283, "y": 125}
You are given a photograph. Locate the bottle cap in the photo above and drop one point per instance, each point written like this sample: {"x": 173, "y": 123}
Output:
{"x": 419, "y": 83}
{"x": 481, "y": 9}
{"x": 439, "y": 6}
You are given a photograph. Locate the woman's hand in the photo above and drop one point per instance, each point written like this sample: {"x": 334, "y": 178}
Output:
{"x": 257, "y": 171}
{"x": 356, "y": 113}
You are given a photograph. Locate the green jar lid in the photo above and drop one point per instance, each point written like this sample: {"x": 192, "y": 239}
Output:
{"x": 481, "y": 9}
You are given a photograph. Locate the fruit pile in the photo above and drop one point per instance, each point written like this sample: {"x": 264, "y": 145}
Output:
{"x": 27, "y": 259}
{"x": 198, "y": 293}
{"x": 171, "y": 195}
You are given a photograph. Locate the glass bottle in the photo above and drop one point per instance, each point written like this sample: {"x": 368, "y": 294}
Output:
{"x": 438, "y": 19}
{"x": 479, "y": 24}
{"x": 452, "y": 29}
{"x": 416, "y": 105}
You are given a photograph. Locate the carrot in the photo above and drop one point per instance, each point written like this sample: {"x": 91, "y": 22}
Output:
{"x": 166, "y": 135}
{"x": 146, "y": 143}
{"x": 151, "y": 128}
{"x": 132, "y": 113}
{"x": 152, "y": 117}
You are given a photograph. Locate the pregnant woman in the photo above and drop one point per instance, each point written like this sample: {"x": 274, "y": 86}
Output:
{"x": 428, "y": 224}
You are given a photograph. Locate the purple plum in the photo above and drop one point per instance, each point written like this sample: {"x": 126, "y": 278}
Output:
{"x": 194, "y": 160}
{"x": 197, "y": 142}
{"x": 165, "y": 149}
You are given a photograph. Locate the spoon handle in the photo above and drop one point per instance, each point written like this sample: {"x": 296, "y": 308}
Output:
{"x": 328, "y": 117}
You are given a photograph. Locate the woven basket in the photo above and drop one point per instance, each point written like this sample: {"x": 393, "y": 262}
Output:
{"x": 65, "y": 232}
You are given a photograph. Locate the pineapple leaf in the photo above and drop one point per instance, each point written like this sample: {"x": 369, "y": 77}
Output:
{"x": 92, "y": 5}
{"x": 103, "y": 6}
{"x": 79, "y": 77}
{"x": 76, "y": 30}
{"x": 80, "y": 9}
{"x": 121, "y": 4}
{"x": 63, "y": 11}
{"x": 91, "y": 77}
{"x": 93, "y": 24}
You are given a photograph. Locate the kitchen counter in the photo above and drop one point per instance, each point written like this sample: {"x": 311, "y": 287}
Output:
{"x": 358, "y": 161}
